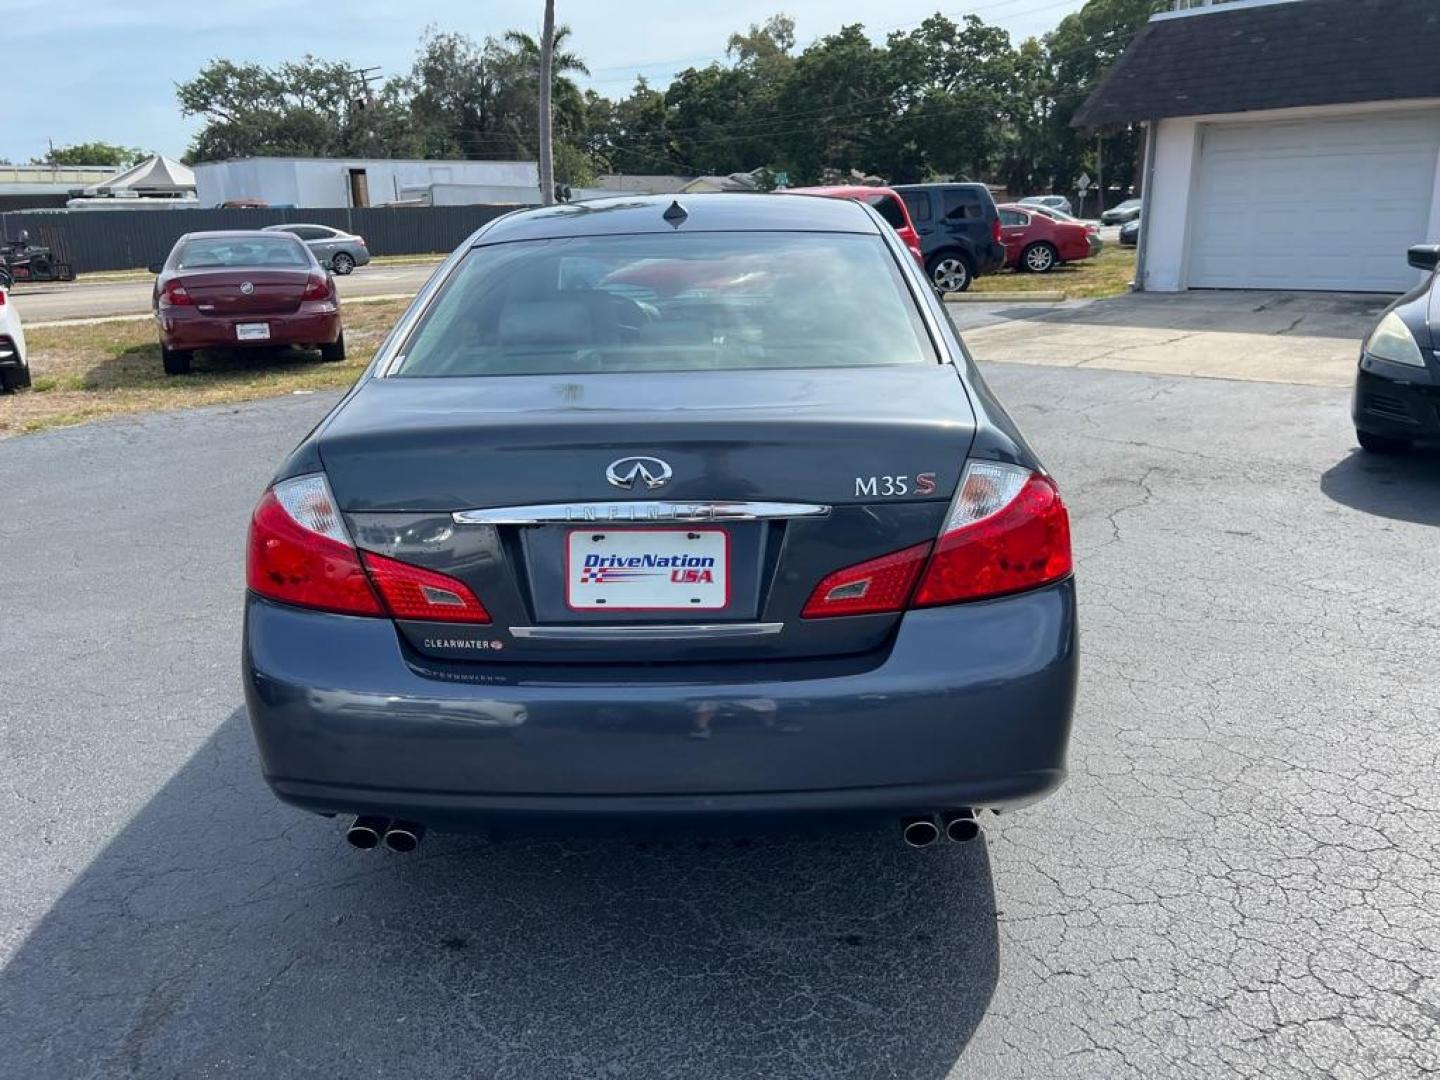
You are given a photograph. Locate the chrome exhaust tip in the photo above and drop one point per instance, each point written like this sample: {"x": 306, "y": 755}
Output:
{"x": 365, "y": 832}
{"x": 919, "y": 832}
{"x": 962, "y": 826}
{"x": 404, "y": 836}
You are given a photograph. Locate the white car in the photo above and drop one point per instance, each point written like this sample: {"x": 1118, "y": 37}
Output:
{"x": 14, "y": 368}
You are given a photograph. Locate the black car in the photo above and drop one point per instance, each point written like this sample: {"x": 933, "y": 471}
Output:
{"x": 959, "y": 229}
{"x": 1397, "y": 386}
{"x": 664, "y": 509}
{"x": 1130, "y": 233}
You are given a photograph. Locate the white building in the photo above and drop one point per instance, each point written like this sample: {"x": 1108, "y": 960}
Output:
{"x": 1291, "y": 144}
{"x": 342, "y": 182}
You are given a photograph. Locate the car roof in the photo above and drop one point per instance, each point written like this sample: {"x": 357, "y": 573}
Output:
{"x": 218, "y": 234}
{"x": 843, "y": 191}
{"x": 710, "y": 212}
{"x": 285, "y": 225}
{"x": 938, "y": 184}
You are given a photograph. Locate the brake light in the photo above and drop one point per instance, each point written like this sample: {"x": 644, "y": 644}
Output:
{"x": 874, "y": 586}
{"x": 175, "y": 295}
{"x": 995, "y": 230}
{"x": 413, "y": 592}
{"x": 317, "y": 287}
{"x": 1008, "y": 531}
{"x": 299, "y": 552}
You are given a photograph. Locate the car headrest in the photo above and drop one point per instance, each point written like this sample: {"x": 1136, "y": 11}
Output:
{"x": 546, "y": 322}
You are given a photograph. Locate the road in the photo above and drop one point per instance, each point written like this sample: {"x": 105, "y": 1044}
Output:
{"x": 1239, "y": 879}
{"x": 88, "y": 300}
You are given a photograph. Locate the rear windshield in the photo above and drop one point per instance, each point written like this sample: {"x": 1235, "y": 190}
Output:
{"x": 672, "y": 302}
{"x": 223, "y": 251}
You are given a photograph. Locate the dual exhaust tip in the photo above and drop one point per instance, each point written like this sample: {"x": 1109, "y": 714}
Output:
{"x": 367, "y": 833}
{"x": 961, "y": 826}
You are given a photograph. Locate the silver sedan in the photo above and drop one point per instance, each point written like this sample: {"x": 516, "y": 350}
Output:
{"x": 339, "y": 251}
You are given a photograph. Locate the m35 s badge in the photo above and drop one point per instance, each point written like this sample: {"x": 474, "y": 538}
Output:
{"x": 895, "y": 487}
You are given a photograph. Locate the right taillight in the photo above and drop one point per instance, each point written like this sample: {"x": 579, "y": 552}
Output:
{"x": 317, "y": 287}
{"x": 300, "y": 553}
{"x": 1007, "y": 531}
{"x": 995, "y": 230}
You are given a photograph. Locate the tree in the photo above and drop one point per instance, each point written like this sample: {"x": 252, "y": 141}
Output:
{"x": 309, "y": 108}
{"x": 93, "y": 153}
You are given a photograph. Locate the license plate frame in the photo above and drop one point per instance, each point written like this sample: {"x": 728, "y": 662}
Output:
{"x": 252, "y": 331}
{"x": 648, "y": 587}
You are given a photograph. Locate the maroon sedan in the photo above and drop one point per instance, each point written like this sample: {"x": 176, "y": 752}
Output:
{"x": 243, "y": 289}
{"x": 1038, "y": 243}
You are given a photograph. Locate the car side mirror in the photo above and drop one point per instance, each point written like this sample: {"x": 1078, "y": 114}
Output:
{"x": 1424, "y": 256}
{"x": 156, "y": 268}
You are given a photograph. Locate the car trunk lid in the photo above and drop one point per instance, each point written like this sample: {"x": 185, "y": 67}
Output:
{"x": 863, "y": 459}
{"x": 259, "y": 291}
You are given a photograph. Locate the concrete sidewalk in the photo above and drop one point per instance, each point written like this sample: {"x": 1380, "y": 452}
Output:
{"x": 1288, "y": 337}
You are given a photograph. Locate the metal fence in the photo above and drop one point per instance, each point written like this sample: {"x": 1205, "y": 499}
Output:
{"x": 126, "y": 239}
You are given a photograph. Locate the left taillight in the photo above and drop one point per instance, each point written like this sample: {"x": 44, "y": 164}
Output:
{"x": 300, "y": 553}
{"x": 174, "y": 294}
{"x": 1007, "y": 531}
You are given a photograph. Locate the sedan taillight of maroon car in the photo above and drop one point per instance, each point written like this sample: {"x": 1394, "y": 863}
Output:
{"x": 227, "y": 290}
{"x": 1037, "y": 243}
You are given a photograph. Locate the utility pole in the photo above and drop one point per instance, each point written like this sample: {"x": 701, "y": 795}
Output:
{"x": 1099, "y": 175}
{"x": 547, "y": 149}
{"x": 366, "y": 76}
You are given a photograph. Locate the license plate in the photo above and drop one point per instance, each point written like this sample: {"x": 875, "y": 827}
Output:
{"x": 252, "y": 331}
{"x": 647, "y": 569}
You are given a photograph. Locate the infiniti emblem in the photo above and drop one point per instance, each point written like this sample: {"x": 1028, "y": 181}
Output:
{"x": 246, "y": 288}
{"x": 623, "y": 473}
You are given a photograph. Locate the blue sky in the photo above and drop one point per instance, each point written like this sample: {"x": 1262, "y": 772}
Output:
{"x": 112, "y": 65}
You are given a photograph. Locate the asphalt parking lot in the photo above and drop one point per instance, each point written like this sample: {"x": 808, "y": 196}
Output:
{"x": 1239, "y": 879}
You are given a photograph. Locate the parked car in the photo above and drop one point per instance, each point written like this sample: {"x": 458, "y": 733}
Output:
{"x": 336, "y": 249}
{"x": 1054, "y": 202}
{"x": 1130, "y": 233}
{"x": 1128, "y": 210}
{"x": 14, "y": 360}
{"x": 1397, "y": 385}
{"x": 1061, "y": 215}
{"x": 243, "y": 289}
{"x": 886, "y": 202}
{"x": 1037, "y": 243}
{"x": 589, "y": 542}
{"x": 959, "y": 231}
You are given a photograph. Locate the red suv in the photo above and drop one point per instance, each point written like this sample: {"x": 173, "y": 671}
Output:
{"x": 1038, "y": 243}
{"x": 885, "y": 200}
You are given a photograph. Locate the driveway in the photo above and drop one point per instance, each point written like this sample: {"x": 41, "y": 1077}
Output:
{"x": 1306, "y": 338}
{"x": 1239, "y": 879}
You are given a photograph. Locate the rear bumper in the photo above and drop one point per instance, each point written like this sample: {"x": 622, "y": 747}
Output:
{"x": 971, "y": 706}
{"x": 1396, "y": 401}
{"x": 992, "y": 257}
{"x": 313, "y": 324}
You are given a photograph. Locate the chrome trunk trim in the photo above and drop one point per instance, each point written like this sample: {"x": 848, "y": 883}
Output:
{"x": 686, "y": 631}
{"x": 637, "y": 512}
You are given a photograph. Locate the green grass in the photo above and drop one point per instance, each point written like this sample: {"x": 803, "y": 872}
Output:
{"x": 1108, "y": 274}
{"x": 83, "y": 373}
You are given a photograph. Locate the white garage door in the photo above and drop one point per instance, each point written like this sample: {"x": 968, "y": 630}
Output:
{"x": 1313, "y": 204}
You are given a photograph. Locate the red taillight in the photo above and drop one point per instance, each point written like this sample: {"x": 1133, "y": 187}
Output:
{"x": 316, "y": 288}
{"x": 413, "y": 592}
{"x": 870, "y": 587}
{"x": 995, "y": 230}
{"x": 1008, "y": 531}
{"x": 174, "y": 295}
{"x": 300, "y": 554}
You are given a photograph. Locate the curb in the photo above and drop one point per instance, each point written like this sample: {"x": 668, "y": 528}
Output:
{"x": 1053, "y": 297}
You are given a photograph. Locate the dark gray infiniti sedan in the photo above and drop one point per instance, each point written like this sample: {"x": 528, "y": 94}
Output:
{"x": 666, "y": 510}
